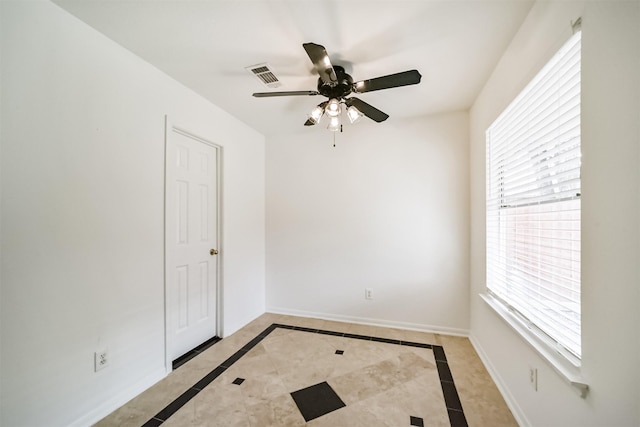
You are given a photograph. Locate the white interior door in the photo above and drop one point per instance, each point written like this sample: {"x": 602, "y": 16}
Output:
{"x": 191, "y": 241}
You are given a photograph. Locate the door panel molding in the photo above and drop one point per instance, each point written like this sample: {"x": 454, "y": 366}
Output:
{"x": 172, "y": 132}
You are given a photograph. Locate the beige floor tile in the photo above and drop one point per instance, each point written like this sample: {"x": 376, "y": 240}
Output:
{"x": 418, "y": 336}
{"x": 482, "y": 402}
{"x": 395, "y": 409}
{"x": 369, "y": 330}
{"x": 423, "y": 398}
{"x": 127, "y": 416}
{"x": 279, "y": 411}
{"x": 366, "y": 382}
{"x": 332, "y": 325}
{"x": 223, "y": 409}
{"x": 382, "y": 384}
{"x": 352, "y": 416}
{"x": 251, "y": 367}
{"x": 263, "y": 388}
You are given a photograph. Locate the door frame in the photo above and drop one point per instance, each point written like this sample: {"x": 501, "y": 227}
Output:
{"x": 170, "y": 129}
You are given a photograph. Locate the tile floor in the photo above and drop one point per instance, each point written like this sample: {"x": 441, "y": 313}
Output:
{"x": 291, "y": 371}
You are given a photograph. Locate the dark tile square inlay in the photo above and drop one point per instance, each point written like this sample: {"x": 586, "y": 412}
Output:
{"x": 317, "y": 400}
{"x": 417, "y": 421}
{"x": 238, "y": 381}
{"x": 339, "y": 351}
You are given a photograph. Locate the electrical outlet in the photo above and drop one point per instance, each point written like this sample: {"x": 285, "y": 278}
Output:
{"x": 533, "y": 377}
{"x": 368, "y": 293}
{"x": 100, "y": 359}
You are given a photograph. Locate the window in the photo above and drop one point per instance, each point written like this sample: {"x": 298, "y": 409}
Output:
{"x": 533, "y": 202}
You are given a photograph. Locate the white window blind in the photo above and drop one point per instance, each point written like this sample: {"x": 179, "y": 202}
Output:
{"x": 533, "y": 201}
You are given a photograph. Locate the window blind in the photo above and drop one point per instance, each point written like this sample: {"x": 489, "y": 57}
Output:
{"x": 533, "y": 201}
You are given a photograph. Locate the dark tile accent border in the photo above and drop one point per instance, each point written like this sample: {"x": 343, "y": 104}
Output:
{"x": 355, "y": 336}
{"x": 451, "y": 398}
{"x": 208, "y": 379}
{"x": 153, "y": 422}
{"x": 386, "y": 340}
{"x": 438, "y": 353}
{"x": 335, "y": 334}
{"x": 173, "y": 407}
{"x": 457, "y": 418}
{"x": 193, "y": 353}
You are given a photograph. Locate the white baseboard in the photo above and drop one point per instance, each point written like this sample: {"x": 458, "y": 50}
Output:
{"x": 120, "y": 399}
{"x": 497, "y": 379}
{"x": 372, "y": 322}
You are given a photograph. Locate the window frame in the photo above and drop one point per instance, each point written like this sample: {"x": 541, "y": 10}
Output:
{"x": 563, "y": 360}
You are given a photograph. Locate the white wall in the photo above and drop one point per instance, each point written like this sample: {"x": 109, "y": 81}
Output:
{"x": 386, "y": 209}
{"x": 610, "y": 214}
{"x": 82, "y": 177}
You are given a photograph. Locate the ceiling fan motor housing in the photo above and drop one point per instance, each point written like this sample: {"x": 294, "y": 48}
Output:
{"x": 338, "y": 89}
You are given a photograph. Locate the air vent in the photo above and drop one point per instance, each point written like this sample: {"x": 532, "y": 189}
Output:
{"x": 264, "y": 74}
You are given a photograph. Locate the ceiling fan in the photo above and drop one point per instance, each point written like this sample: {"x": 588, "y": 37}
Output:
{"x": 335, "y": 84}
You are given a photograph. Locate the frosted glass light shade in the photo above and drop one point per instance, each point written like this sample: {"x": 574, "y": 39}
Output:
{"x": 334, "y": 124}
{"x": 333, "y": 108}
{"x": 316, "y": 114}
{"x": 354, "y": 114}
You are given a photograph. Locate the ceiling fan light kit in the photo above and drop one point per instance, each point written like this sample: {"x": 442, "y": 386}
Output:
{"x": 334, "y": 124}
{"x": 335, "y": 84}
{"x": 354, "y": 114}
{"x": 316, "y": 114}
{"x": 333, "y": 108}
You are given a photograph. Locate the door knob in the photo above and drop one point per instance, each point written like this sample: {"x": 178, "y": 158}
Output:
{"x": 213, "y": 252}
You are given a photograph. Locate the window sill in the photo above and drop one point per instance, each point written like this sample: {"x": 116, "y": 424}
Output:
{"x": 567, "y": 369}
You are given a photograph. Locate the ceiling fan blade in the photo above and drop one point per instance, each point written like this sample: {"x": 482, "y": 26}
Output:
{"x": 309, "y": 122}
{"x": 320, "y": 59}
{"x": 368, "y": 110}
{"x": 290, "y": 93}
{"x": 386, "y": 82}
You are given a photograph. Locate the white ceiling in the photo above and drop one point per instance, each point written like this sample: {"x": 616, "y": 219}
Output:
{"x": 454, "y": 44}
